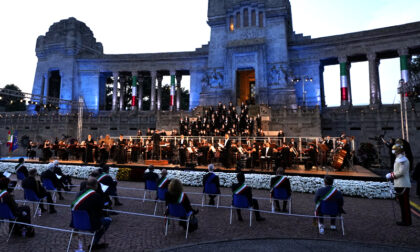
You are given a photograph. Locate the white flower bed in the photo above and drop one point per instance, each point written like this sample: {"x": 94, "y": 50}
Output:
{"x": 365, "y": 189}
{"x": 81, "y": 172}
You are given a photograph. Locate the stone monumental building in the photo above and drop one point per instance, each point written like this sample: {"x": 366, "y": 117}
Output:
{"x": 253, "y": 56}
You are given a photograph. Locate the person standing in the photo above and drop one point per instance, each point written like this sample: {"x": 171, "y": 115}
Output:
{"x": 402, "y": 183}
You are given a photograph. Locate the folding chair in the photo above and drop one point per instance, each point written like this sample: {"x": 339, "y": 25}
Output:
{"x": 178, "y": 211}
{"x": 150, "y": 186}
{"x": 331, "y": 208}
{"x": 49, "y": 186}
{"x": 161, "y": 192}
{"x": 31, "y": 196}
{"x": 80, "y": 221}
{"x": 281, "y": 194}
{"x": 241, "y": 202}
{"x": 210, "y": 189}
{"x": 6, "y": 214}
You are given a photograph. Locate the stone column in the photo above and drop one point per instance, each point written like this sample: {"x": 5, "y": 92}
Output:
{"x": 321, "y": 84}
{"x": 159, "y": 91}
{"x": 133, "y": 90}
{"x": 44, "y": 83}
{"x": 140, "y": 93}
{"x": 114, "y": 91}
{"x": 178, "y": 91}
{"x": 122, "y": 93}
{"x": 404, "y": 59}
{"x": 172, "y": 91}
{"x": 375, "y": 93}
{"x": 46, "y": 86}
{"x": 345, "y": 81}
{"x": 153, "y": 91}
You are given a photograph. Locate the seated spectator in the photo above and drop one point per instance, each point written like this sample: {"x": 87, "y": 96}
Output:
{"x": 150, "y": 175}
{"x": 163, "y": 181}
{"x": 20, "y": 167}
{"x": 92, "y": 202}
{"x": 176, "y": 195}
{"x": 22, "y": 213}
{"x": 241, "y": 188}
{"x": 107, "y": 180}
{"x": 211, "y": 179}
{"x": 65, "y": 179}
{"x": 49, "y": 174}
{"x": 280, "y": 181}
{"x": 31, "y": 183}
{"x": 328, "y": 193}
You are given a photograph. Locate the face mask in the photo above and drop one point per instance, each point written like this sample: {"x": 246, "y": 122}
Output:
{"x": 393, "y": 151}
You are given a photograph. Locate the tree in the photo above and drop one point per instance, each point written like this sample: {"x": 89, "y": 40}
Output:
{"x": 13, "y": 103}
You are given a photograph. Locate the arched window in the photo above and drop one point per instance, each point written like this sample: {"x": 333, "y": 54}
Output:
{"x": 238, "y": 20}
{"x": 246, "y": 18}
{"x": 253, "y": 18}
{"x": 261, "y": 19}
{"x": 231, "y": 24}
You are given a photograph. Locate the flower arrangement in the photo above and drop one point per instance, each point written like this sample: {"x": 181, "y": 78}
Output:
{"x": 356, "y": 188}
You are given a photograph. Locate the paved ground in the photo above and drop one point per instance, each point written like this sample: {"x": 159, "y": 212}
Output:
{"x": 369, "y": 226}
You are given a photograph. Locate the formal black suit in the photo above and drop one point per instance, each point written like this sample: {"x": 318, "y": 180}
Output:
{"x": 266, "y": 157}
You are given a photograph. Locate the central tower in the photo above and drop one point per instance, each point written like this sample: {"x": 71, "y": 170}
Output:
{"x": 248, "y": 54}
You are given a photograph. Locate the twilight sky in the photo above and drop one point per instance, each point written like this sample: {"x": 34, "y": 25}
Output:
{"x": 141, "y": 26}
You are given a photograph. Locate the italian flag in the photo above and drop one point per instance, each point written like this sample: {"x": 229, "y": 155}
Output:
{"x": 172, "y": 102}
{"x": 404, "y": 67}
{"x": 134, "y": 91}
{"x": 12, "y": 140}
{"x": 344, "y": 82}
{"x": 181, "y": 198}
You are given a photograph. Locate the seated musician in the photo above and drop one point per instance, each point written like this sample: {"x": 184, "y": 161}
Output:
{"x": 242, "y": 189}
{"x": 211, "y": 179}
{"x": 203, "y": 151}
{"x": 280, "y": 181}
{"x": 346, "y": 147}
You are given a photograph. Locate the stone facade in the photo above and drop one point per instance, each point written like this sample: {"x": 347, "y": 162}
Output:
{"x": 246, "y": 35}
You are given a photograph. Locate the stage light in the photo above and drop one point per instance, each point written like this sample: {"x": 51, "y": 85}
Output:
{"x": 11, "y": 102}
{"x": 21, "y": 100}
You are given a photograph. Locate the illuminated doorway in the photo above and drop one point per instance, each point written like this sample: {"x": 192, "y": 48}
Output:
{"x": 245, "y": 86}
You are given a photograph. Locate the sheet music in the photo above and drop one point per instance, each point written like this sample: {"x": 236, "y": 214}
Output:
{"x": 104, "y": 187}
{"x": 7, "y": 174}
{"x": 58, "y": 176}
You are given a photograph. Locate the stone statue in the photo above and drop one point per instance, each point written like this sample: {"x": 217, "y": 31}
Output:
{"x": 213, "y": 79}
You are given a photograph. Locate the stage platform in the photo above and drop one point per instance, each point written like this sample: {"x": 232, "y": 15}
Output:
{"x": 356, "y": 173}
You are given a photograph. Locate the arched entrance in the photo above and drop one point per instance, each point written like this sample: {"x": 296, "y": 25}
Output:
{"x": 245, "y": 86}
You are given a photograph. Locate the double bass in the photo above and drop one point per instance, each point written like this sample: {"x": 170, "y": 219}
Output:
{"x": 338, "y": 159}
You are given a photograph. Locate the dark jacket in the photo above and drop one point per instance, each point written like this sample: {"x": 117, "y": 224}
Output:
{"x": 34, "y": 185}
{"x": 166, "y": 184}
{"x": 337, "y": 197}
{"x": 285, "y": 184}
{"x": 93, "y": 205}
{"x": 10, "y": 201}
{"x": 247, "y": 192}
{"x": 22, "y": 169}
{"x": 173, "y": 199}
{"x": 48, "y": 174}
{"x": 215, "y": 181}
